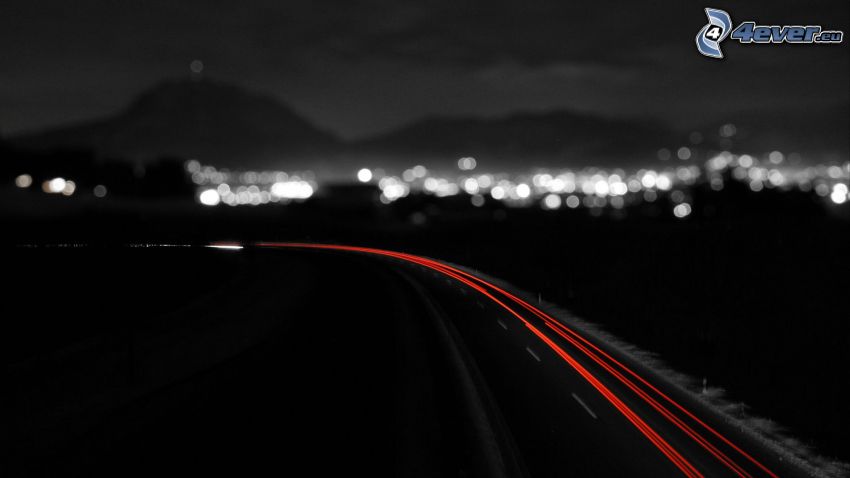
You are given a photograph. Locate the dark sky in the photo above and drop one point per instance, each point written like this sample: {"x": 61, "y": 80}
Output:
{"x": 362, "y": 67}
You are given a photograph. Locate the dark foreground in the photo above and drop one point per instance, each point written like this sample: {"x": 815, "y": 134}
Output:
{"x": 201, "y": 361}
{"x": 749, "y": 292}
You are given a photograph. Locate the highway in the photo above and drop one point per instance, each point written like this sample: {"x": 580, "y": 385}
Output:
{"x": 623, "y": 420}
{"x": 392, "y": 364}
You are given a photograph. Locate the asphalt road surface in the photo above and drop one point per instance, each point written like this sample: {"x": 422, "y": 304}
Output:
{"x": 275, "y": 358}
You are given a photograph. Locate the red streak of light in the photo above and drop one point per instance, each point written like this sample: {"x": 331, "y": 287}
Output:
{"x": 674, "y": 456}
{"x": 555, "y": 325}
{"x": 552, "y": 321}
{"x": 652, "y": 402}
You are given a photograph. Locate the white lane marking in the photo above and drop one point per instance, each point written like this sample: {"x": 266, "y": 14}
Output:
{"x": 580, "y": 402}
{"x": 532, "y": 353}
{"x": 226, "y": 247}
{"x": 504, "y": 326}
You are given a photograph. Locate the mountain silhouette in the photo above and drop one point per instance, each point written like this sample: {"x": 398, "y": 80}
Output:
{"x": 215, "y": 122}
{"x": 560, "y": 135}
{"x": 819, "y": 138}
{"x": 225, "y": 125}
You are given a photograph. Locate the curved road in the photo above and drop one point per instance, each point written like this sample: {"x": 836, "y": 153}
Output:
{"x": 386, "y": 363}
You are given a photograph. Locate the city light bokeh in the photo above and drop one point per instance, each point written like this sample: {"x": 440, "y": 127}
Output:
{"x": 549, "y": 189}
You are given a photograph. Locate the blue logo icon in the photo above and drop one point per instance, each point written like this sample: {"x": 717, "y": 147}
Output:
{"x": 715, "y": 31}
{"x": 719, "y": 27}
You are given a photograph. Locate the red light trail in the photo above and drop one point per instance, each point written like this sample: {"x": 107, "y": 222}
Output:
{"x": 593, "y": 352}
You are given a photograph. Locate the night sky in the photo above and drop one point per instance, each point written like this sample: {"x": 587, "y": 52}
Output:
{"x": 359, "y": 68}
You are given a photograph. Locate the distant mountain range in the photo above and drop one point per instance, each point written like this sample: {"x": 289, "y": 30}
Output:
{"x": 559, "y": 134}
{"x": 821, "y": 137}
{"x": 202, "y": 119}
{"x": 225, "y": 125}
